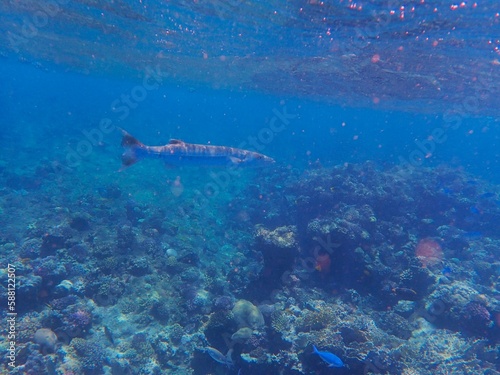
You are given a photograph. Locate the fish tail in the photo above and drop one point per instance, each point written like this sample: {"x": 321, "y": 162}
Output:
{"x": 315, "y": 350}
{"x": 131, "y": 144}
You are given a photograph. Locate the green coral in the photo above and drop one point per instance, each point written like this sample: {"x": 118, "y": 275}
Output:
{"x": 279, "y": 321}
{"x": 141, "y": 345}
{"x": 315, "y": 320}
{"x": 92, "y": 354}
{"x": 219, "y": 320}
{"x": 176, "y": 333}
{"x": 27, "y": 326}
{"x": 282, "y": 237}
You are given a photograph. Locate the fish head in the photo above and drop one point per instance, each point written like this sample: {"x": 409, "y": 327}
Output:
{"x": 254, "y": 159}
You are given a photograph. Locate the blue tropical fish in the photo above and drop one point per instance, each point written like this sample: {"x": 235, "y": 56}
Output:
{"x": 473, "y": 235}
{"x": 330, "y": 358}
{"x": 474, "y": 210}
{"x": 447, "y": 271}
{"x": 487, "y": 195}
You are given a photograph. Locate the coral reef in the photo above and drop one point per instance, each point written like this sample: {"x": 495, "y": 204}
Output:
{"x": 91, "y": 355}
{"x": 393, "y": 272}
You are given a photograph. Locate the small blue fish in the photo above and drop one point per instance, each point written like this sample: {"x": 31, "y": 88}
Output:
{"x": 219, "y": 357}
{"x": 487, "y": 195}
{"x": 448, "y": 191}
{"x": 447, "y": 271}
{"x": 474, "y": 235}
{"x": 474, "y": 210}
{"x": 330, "y": 358}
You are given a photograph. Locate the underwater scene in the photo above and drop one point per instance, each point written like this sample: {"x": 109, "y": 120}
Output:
{"x": 247, "y": 187}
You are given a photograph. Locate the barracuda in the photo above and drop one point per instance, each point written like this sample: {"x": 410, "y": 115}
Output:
{"x": 178, "y": 153}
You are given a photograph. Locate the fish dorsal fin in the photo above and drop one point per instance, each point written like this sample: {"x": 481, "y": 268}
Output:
{"x": 175, "y": 142}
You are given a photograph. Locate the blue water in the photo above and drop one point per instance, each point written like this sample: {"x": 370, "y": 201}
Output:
{"x": 374, "y": 236}
{"x": 71, "y": 103}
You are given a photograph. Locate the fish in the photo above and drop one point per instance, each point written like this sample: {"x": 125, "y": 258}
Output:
{"x": 447, "y": 271}
{"x": 487, "y": 195}
{"x": 219, "y": 357}
{"x": 109, "y": 335}
{"x": 474, "y": 210}
{"x": 323, "y": 263}
{"x": 177, "y": 153}
{"x": 331, "y": 359}
{"x": 405, "y": 293}
{"x": 473, "y": 235}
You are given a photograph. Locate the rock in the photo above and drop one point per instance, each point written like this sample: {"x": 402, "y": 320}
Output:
{"x": 47, "y": 340}
{"x": 242, "y": 335}
{"x": 246, "y": 314}
{"x": 64, "y": 288}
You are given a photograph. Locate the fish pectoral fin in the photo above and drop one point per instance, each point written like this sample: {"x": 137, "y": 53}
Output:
{"x": 235, "y": 160}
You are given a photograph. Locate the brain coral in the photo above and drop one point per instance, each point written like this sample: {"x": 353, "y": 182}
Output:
{"x": 46, "y": 339}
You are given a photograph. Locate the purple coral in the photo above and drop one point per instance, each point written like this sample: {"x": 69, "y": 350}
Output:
{"x": 476, "y": 317}
{"x": 62, "y": 303}
{"x": 80, "y": 318}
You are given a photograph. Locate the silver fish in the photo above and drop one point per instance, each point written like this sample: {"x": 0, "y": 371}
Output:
{"x": 219, "y": 357}
{"x": 179, "y": 153}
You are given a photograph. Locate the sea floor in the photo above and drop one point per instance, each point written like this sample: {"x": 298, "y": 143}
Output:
{"x": 153, "y": 271}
